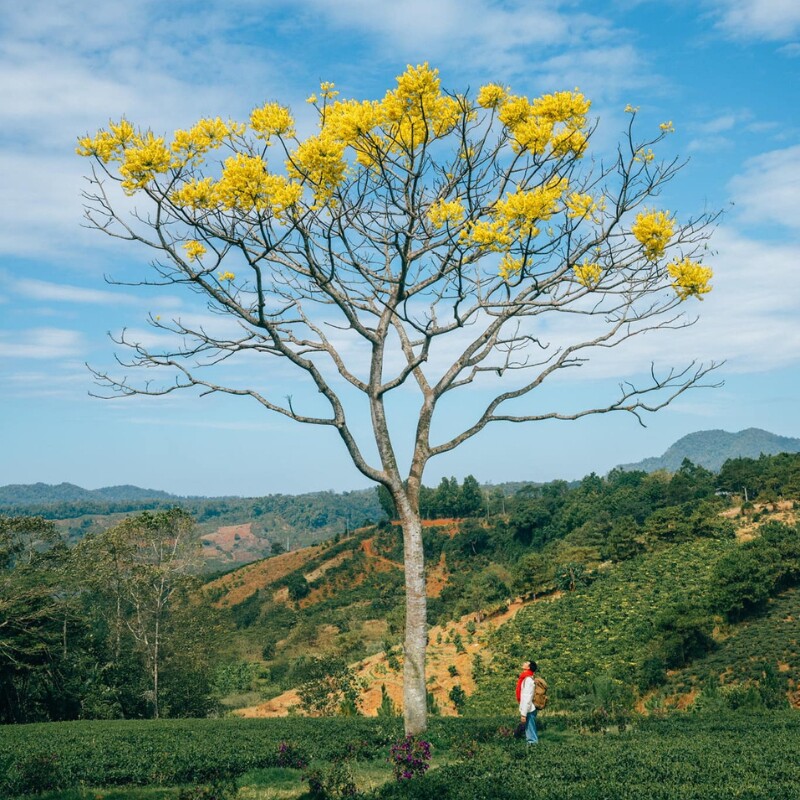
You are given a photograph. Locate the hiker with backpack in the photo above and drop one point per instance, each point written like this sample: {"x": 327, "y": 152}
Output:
{"x": 532, "y": 697}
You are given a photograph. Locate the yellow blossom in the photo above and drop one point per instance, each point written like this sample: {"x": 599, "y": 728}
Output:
{"x": 570, "y": 140}
{"x": 146, "y": 158}
{"x": 327, "y": 90}
{"x": 319, "y": 161}
{"x": 123, "y": 132}
{"x": 582, "y": 206}
{"x": 205, "y": 135}
{"x": 348, "y": 121}
{"x": 195, "y": 194}
{"x": 444, "y": 211}
{"x": 509, "y": 267}
{"x": 488, "y": 234}
{"x": 103, "y": 146}
{"x": 532, "y": 135}
{"x": 588, "y": 273}
{"x": 567, "y": 107}
{"x": 312, "y": 98}
{"x": 523, "y": 209}
{"x": 417, "y": 110}
{"x": 667, "y": 127}
{"x": 246, "y": 185}
{"x": 690, "y": 279}
{"x": 514, "y": 111}
{"x": 653, "y": 229}
{"x": 645, "y": 156}
{"x": 629, "y": 109}
{"x": 226, "y": 276}
{"x": 272, "y": 119}
{"x": 194, "y": 250}
{"x": 107, "y": 145}
{"x": 492, "y": 95}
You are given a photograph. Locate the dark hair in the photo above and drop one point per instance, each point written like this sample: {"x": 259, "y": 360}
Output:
{"x": 532, "y": 664}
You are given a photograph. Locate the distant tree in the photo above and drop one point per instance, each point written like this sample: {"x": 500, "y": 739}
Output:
{"x": 427, "y": 238}
{"x": 570, "y": 576}
{"x": 145, "y": 562}
{"x": 30, "y": 614}
{"x": 447, "y": 498}
{"x": 622, "y": 541}
{"x": 471, "y": 500}
{"x": 683, "y": 633}
{"x": 332, "y": 688}
{"x": 298, "y": 587}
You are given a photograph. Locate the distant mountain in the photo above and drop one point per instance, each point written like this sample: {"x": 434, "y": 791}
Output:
{"x": 18, "y": 494}
{"x": 711, "y": 449}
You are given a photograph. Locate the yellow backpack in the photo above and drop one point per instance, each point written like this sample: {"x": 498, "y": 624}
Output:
{"x": 539, "y": 693}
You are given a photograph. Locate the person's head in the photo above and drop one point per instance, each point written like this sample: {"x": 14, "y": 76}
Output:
{"x": 532, "y": 665}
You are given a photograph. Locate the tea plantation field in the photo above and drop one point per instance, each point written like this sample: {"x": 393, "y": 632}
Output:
{"x": 746, "y": 755}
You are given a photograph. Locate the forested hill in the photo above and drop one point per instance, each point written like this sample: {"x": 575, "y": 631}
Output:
{"x": 711, "y": 449}
{"x": 18, "y": 494}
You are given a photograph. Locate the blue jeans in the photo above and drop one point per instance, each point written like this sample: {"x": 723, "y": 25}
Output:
{"x": 530, "y": 728}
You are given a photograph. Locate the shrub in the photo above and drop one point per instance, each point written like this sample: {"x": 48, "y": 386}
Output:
{"x": 410, "y": 757}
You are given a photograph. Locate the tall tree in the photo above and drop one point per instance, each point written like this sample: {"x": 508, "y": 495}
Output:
{"x": 427, "y": 238}
{"x": 141, "y": 565}
{"x": 30, "y": 613}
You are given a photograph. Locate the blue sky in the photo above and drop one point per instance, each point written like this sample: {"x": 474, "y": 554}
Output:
{"x": 726, "y": 72}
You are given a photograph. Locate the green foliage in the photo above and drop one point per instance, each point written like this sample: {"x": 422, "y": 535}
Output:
{"x": 690, "y": 758}
{"x": 330, "y": 781}
{"x": 458, "y": 697}
{"x": 747, "y": 576}
{"x": 331, "y": 688}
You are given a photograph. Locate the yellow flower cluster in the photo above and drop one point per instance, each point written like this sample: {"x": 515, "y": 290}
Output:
{"x": 246, "y": 185}
{"x": 141, "y": 157}
{"x": 645, "y": 156}
{"x": 690, "y": 279}
{"x": 555, "y": 120}
{"x": 195, "y": 194}
{"x": 653, "y": 229}
{"x": 272, "y": 119}
{"x": 417, "y": 110}
{"x": 583, "y": 206}
{"x": 328, "y": 90}
{"x": 522, "y": 210}
{"x": 444, "y": 211}
{"x": 667, "y": 127}
{"x": 588, "y": 273}
{"x": 226, "y": 276}
{"x": 107, "y": 145}
{"x": 492, "y": 95}
{"x": 510, "y": 267}
{"x": 516, "y": 217}
{"x": 349, "y": 120}
{"x": 319, "y": 161}
{"x": 194, "y": 250}
{"x": 143, "y": 160}
{"x": 205, "y": 135}
{"x": 488, "y": 234}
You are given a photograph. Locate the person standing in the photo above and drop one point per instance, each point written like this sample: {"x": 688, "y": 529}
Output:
{"x": 526, "y": 686}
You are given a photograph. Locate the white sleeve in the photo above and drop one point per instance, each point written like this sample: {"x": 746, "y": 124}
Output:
{"x": 526, "y": 697}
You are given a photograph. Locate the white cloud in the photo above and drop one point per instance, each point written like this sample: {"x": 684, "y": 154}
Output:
{"x": 774, "y": 20}
{"x": 44, "y": 290}
{"x": 768, "y": 190}
{"x": 41, "y": 343}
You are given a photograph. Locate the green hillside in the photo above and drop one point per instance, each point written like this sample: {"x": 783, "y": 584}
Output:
{"x": 711, "y": 449}
{"x": 637, "y": 591}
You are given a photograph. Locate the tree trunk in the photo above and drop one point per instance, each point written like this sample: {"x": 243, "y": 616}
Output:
{"x": 416, "y": 638}
{"x": 155, "y": 671}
